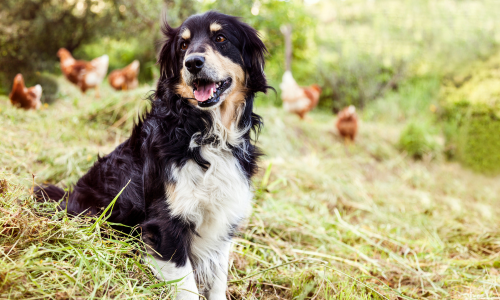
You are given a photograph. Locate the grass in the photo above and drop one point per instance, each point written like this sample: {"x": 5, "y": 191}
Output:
{"x": 330, "y": 221}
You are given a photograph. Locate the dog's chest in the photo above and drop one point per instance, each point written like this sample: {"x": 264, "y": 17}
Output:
{"x": 214, "y": 200}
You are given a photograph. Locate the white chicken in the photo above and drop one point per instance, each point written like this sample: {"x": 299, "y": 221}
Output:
{"x": 296, "y": 99}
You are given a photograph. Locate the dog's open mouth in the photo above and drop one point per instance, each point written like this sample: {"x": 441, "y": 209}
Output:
{"x": 208, "y": 93}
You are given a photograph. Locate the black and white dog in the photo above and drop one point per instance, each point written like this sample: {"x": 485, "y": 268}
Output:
{"x": 190, "y": 159}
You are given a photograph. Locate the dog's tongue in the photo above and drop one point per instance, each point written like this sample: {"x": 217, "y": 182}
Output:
{"x": 202, "y": 92}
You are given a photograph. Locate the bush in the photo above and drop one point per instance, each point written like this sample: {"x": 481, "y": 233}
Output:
{"x": 366, "y": 49}
{"x": 418, "y": 140}
{"x": 31, "y": 32}
{"x": 479, "y": 143}
{"x": 471, "y": 102}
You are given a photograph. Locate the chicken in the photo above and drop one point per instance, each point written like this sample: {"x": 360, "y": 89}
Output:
{"x": 296, "y": 99}
{"x": 27, "y": 98}
{"x": 84, "y": 74}
{"x": 347, "y": 123}
{"x": 126, "y": 78}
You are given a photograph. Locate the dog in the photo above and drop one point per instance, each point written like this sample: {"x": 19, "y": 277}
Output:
{"x": 189, "y": 159}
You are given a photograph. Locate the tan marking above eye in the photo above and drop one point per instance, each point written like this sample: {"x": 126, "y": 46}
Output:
{"x": 215, "y": 27}
{"x": 186, "y": 34}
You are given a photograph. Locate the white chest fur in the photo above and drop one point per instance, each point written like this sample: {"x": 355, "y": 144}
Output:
{"x": 214, "y": 200}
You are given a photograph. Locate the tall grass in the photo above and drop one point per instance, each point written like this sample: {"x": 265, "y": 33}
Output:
{"x": 330, "y": 221}
{"x": 51, "y": 256}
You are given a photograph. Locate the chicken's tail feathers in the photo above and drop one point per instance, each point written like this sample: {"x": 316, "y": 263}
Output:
{"x": 37, "y": 89}
{"x": 134, "y": 66}
{"x": 100, "y": 65}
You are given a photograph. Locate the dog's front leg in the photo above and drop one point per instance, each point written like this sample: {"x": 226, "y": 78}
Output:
{"x": 219, "y": 286}
{"x": 168, "y": 271}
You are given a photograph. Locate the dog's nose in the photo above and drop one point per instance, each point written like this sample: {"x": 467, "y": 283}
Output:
{"x": 194, "y": 63}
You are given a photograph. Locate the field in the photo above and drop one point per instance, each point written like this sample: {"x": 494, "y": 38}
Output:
{"x": 330, "y": 220}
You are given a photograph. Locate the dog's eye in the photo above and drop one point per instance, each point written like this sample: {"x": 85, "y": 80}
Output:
{"x": 220, "y": 39}
{"x": 184, "y": 45}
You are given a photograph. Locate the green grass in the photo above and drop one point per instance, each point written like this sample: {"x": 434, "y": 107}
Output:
{"x": 330, "y": 221}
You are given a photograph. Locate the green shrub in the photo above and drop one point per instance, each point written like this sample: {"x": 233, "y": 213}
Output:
{"x": 471, "y": 103}
{"x": 479, "y": 143}
{"x": 418, "y": 140}
{"x": 367, "y": 49}
{"x": 31, "y": 32}
{"x": 415, "y": 98}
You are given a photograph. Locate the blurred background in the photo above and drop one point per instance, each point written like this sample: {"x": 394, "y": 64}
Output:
{"x": 431, "y": 62}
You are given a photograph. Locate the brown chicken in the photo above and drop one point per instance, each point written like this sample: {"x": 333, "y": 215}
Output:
{"x": 297, "y": 99}
{"x": 85, "y": 75}
{"x": 27, "y": 98}
{"x": 126, "y": 78}
{"x": 347, "y": 123}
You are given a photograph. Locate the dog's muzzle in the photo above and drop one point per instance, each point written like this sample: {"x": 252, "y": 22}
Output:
{"x": 208, "y": 86}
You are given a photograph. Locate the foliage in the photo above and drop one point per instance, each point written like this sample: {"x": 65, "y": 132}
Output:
{"x": 367, "y": 49}
{"x": 418, "y": 140}
{"x": 478, "y": 143}
{"x": 414, "y": 98}
{"x": 471, "y": 102}
{"x": 356, "y": 51}
{"x": 138, "y": 35}
{"x": 31, "y": 32}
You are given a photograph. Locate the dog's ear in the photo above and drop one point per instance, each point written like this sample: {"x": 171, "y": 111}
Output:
{"x": 168, "y": 57}
{"x": 253, "y": 51}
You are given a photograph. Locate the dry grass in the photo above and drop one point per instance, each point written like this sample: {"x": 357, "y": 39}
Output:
{"x": 330, "y": 221}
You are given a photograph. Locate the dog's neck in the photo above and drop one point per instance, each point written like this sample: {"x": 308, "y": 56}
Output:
{"x": 226, "y": 129}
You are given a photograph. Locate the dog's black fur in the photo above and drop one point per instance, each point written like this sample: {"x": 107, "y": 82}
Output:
{"x": 162, "y": 138}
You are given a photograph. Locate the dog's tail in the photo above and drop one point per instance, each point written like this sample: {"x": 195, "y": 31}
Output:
{"x": 69, "y": 201}
{"x": 49, "y": 192}
{"x": 52, "y": 193}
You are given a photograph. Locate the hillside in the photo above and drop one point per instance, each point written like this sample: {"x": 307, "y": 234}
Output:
{"x": 330, "y": 221}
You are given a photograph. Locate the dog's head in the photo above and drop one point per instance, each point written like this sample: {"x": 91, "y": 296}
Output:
{"x": 213, "y": 60}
